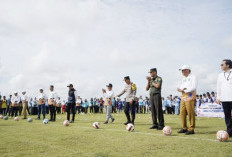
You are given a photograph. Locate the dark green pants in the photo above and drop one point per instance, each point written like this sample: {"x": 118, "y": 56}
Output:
{"x": 156, "y": 109}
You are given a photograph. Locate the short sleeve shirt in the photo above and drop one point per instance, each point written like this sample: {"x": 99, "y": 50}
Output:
{"x": 154, "y": 90}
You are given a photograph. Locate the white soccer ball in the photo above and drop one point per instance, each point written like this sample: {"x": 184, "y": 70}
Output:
{"x": 1, "y": 117}
{"x": 16, "y": 119}
{"x": 167, "y": 131}
{"x": 66, "y": 123}
{"x": 130, "y": 127}
{"x": 222, "y": 136}
{"x": 96, "y": 125}
{"x": 45, "y": 121}
{"x": 29, "y": 119}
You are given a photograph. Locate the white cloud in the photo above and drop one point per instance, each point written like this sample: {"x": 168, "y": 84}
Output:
{"x": 94, "y": 42}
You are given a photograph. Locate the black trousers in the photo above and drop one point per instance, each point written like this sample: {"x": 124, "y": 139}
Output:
{"x": 227, "y": 107}
{"x": 14, "y": 111}
{"x": 91, "y": 109}
{"x": 20, "y": 109}
{"x": 71, "y": 107}
{"x": 28, "y": 110}
{"x": 78, "y": 109}
{"x": 130, "y": 108}
{"x": 52, "y": 112}
{"x": 8, "y": 110}
{"x": 156, "y": 110}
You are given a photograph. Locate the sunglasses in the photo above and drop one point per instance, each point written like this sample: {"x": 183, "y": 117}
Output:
{"x": 222, "y": 65}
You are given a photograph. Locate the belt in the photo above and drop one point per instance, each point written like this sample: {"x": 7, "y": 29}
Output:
{"x": 152, "y": 94}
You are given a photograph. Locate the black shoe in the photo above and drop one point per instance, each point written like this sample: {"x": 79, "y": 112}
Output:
{"x": 182, "y": 131}
{"x": 189, "y": 132}
{"x": 72, "y": 121}
{"x": 50, "y": 120}
{"x": 37, "y": 118}
{"x": 160, "y": 128}
{"x": 106, "y": 122}
{"x": 113, "y": 120}
{"x": 127, "y": 123}
{"x": 154, "y": 127}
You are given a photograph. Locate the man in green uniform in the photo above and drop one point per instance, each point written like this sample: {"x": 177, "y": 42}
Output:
{"x": 155, "y": 84}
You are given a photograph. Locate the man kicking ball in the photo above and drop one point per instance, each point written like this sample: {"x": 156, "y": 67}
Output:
{"x": 130, "y": 90}
{"x": 108, "y": 96}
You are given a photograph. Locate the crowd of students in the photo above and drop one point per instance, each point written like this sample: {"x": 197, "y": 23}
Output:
{"x": 171, "y": 105}
{"x": 94, "y": 105}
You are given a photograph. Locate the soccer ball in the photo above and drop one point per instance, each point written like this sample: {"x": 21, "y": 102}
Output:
{"x": 167, "y": 131}
{"x": 6, "y": 118}
{"x": 130, "y": 127}
{"x": 96, "y": 125}
{"x": 222, "y": 136}
{"x": 66, "y": 123}
{"x": 29, "y": 119}
{"x": 45, "y": 121}
{"x": 1, "y": 117}
{"x": 16, "y": 119}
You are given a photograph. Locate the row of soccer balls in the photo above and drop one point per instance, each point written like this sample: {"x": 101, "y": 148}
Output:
{"x": 221, "y": 135}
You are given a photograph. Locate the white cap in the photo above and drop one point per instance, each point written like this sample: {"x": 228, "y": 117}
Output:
{"x": 184, "y": 67}
{"x": 41, "y": 88}
{"x": 24, "y": 91}
{"x": 15, "y": 92}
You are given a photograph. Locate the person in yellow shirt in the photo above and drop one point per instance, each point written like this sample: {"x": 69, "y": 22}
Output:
{"x": 4, "y": 102}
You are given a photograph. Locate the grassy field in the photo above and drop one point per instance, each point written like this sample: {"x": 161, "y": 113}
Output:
{"x": 20, "y": 138}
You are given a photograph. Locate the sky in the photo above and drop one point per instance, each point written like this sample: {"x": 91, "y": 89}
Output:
{"x": 91, "y": 43}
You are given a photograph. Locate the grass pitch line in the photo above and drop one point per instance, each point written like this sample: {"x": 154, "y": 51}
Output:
{"x": 144, "y": 133}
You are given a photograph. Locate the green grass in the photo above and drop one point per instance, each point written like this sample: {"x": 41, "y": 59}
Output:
{"x": 80, "y": 139}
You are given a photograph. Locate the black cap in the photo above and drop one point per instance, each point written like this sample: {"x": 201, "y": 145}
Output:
{"x": 70, "y": 85}
{"x": 109, "y": 85}
{"x": 52, "y": 86}
{"x": 126, "y": 78}
{"x": 153, "y": 69}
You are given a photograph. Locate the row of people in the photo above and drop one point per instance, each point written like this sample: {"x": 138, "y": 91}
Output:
{"x": 188, "y": 99}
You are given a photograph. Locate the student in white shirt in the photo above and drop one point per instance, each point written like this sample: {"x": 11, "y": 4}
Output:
{"x": 58, "y": 105}
{"x": 52, "y": 97}
{"x": 108, "y": 97}
{"x": 213, "y": 97}
{"x": 224, "y": 92}
{"x": 15, "y": 104}
{"x": 188, "y": 100}
{"x": 78, "y": 104}
{"x": 42, "y": 98}
{"x": 24, "y": 100}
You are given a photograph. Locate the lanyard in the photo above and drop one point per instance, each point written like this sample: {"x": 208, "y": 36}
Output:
{"x": 228, "y": 76}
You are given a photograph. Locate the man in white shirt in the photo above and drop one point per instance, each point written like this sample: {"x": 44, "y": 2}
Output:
{"x": 130, "y": 91}
{"x": 24, "y": 100}
{"x": 188, "y": 100}
{"x": 224, "y": 92}
{"x": 15, "y": 104}
{"x": 41, "y": 104}
{"x": 52, "y": 97}
{"x": 108, "y": 97}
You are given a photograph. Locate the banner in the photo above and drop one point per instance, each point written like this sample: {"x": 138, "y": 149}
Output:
{"x": 210, "y": 110}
